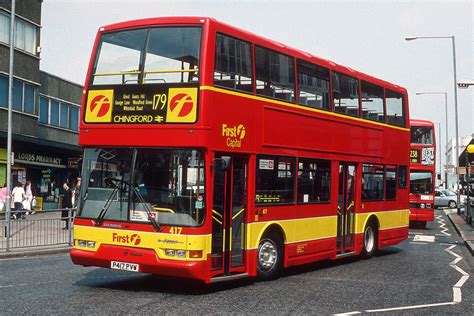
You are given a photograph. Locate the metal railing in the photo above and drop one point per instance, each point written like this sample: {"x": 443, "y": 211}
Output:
{"x": 40, "y": 230}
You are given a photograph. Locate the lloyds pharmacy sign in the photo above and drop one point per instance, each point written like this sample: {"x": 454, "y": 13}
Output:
{"x": 37, "y": 159}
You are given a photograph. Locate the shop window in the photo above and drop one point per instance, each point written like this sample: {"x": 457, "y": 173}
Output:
{"x": 390, "y": 182}
{"x": 345, "y": 92}
{"x": 275, "y": 74}
{"x": 395, "y": 104}
{"x": 3, "y": 90}
{"x": 17, "y": 95}
{"x": 54, "y": 119}
{"x": 372, "y": 182}
{"x": 74, "y": 118}
{"x": 372, "y": 102}
{"x": 233, "y": 67}
{"x": 44, "y": 110}
{"x": 29, "y": 105}
{"x": 314, "y": 181}
{"x": 64, "y": 115}
{"x": 275, "y": 180}
{"x": 313, "y": 85}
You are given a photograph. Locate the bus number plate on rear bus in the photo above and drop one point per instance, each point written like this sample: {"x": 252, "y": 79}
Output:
{"x": 124, "y": 266}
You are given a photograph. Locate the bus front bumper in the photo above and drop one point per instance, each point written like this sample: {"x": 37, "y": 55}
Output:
{"x": 146, "y": 259}
{"x": 421, "y": 215}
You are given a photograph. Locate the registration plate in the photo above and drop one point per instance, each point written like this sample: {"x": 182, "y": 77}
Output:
{"x": 124, "y": 266}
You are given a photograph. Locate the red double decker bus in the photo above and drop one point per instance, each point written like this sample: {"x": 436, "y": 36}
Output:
{"x": 212, "y": 153}
{"x": 422, "y": 171}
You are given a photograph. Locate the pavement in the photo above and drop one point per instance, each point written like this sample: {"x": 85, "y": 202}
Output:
{"x": 465, "y": 231}
{"x": 38, "y": 234}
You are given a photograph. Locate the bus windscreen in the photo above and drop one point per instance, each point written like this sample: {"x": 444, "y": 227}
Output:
{"x": 170, "y": 183}
{"x": 153, "y": 55}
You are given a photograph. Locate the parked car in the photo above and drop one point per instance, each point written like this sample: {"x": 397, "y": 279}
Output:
{"x": 446, "y": 198}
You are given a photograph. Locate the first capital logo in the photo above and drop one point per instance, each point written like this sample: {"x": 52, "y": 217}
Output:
{"x": 99, "y": 106}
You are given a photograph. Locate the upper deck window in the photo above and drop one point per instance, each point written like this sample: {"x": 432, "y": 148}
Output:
{"x": 275, "y": 74}
{"x": 372, "y": 102}
{"x": 156, "y": 55}
{"x": 422, "y": 135}
{"x": 395, "y": 104}
{"x": 313, "y": 85}
{"x": 233, "y": 66}
{"x": 346, "y": 94}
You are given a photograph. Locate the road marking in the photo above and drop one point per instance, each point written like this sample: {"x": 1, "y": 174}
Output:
{"x": 350, "y": 313}
{"x": 442, "y": 224}
{"x": 424, "y": 238}
{"x": 407, "y": 307}
{"x": 418, "y": 243}
{"x": 457, "y": 293}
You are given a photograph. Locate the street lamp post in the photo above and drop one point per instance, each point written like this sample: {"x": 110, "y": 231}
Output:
{"x": 453, "y": 42}
{"x": 446, "y": 129}
{"x": 439, "y": 137}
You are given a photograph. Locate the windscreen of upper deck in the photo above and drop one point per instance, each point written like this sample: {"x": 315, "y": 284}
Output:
{"x": 422, "y": 135}
{"x": 145, "y": 76}
{"x": 147, "y": 56}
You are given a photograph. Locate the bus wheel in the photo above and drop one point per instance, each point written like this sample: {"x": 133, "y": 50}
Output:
{"x": 370, "y": 241}
{"x": 269, "y": 258}
{"x": 452, "y": 204}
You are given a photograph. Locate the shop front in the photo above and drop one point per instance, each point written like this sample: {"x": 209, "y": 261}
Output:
{"x": 47, "y": 171}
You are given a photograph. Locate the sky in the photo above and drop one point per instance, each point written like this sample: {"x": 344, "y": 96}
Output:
{"x": 364, "y": 35}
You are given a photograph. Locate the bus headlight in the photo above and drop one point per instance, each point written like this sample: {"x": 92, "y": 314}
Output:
{"x": 181, "y": 253}
{"x": 82, "y": 243}
{"x": 422, "y": 205}
{"x": 428, "y": 205}
{"x": 170, "y": 252}
{"x": 90, "y": 244}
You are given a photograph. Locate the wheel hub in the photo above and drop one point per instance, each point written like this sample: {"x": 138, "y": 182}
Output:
{"x": 267, "y": 255}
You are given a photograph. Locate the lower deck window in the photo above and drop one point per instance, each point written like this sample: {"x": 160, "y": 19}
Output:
{"x": 372, "y": 182}
{"x": 314, "y": 181}
{"x": 275, "y": 180}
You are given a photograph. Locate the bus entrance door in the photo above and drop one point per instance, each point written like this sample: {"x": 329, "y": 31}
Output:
{"x": 228, "y": 214}
{"x": 345, "y": 208}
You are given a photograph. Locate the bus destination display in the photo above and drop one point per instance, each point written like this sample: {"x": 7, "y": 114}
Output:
{"x": 147, "y": 105}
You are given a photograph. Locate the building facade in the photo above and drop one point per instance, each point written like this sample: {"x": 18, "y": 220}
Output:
{"x": 451, "y": 158}
{"x": 45, "y": 107}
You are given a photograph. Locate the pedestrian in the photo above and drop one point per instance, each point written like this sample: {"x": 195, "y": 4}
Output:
{"x": 18, "y": 195}
{"x": 67, "y": 204}
{"x": 76, "y": 193}
{"x": 3, "y": 197}
{"x": 28, "y": 197}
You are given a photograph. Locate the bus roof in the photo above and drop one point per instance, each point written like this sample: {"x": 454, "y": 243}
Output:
{"x": 259, "y": 40}
{"x": 421, "y": 123}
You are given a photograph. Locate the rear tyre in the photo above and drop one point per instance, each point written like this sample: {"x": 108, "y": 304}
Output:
{"x": 452, "y": 204}
{"x": 369, "y": 244}
{"x": 269, "y": 258}
{"x": 422, "y": 225}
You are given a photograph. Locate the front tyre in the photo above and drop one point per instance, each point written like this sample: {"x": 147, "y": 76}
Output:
{"x": 269, "y": 258}
{"x": 370, "y": 241}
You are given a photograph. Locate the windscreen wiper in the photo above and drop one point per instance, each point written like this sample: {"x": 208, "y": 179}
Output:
{"x": 115, "y": 182}
{"x": 107, "y": 204}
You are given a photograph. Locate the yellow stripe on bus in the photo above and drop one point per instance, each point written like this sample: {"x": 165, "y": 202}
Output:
{"x": 295, "y": 106}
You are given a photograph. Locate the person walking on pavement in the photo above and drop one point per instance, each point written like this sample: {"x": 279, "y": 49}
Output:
{"x": 18, "y": 195}
{"x": 67, "y": 204}
{"x": 76, "y": 193}
{"x": 28, "y": 198}
{"x": 3, "y": 197}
